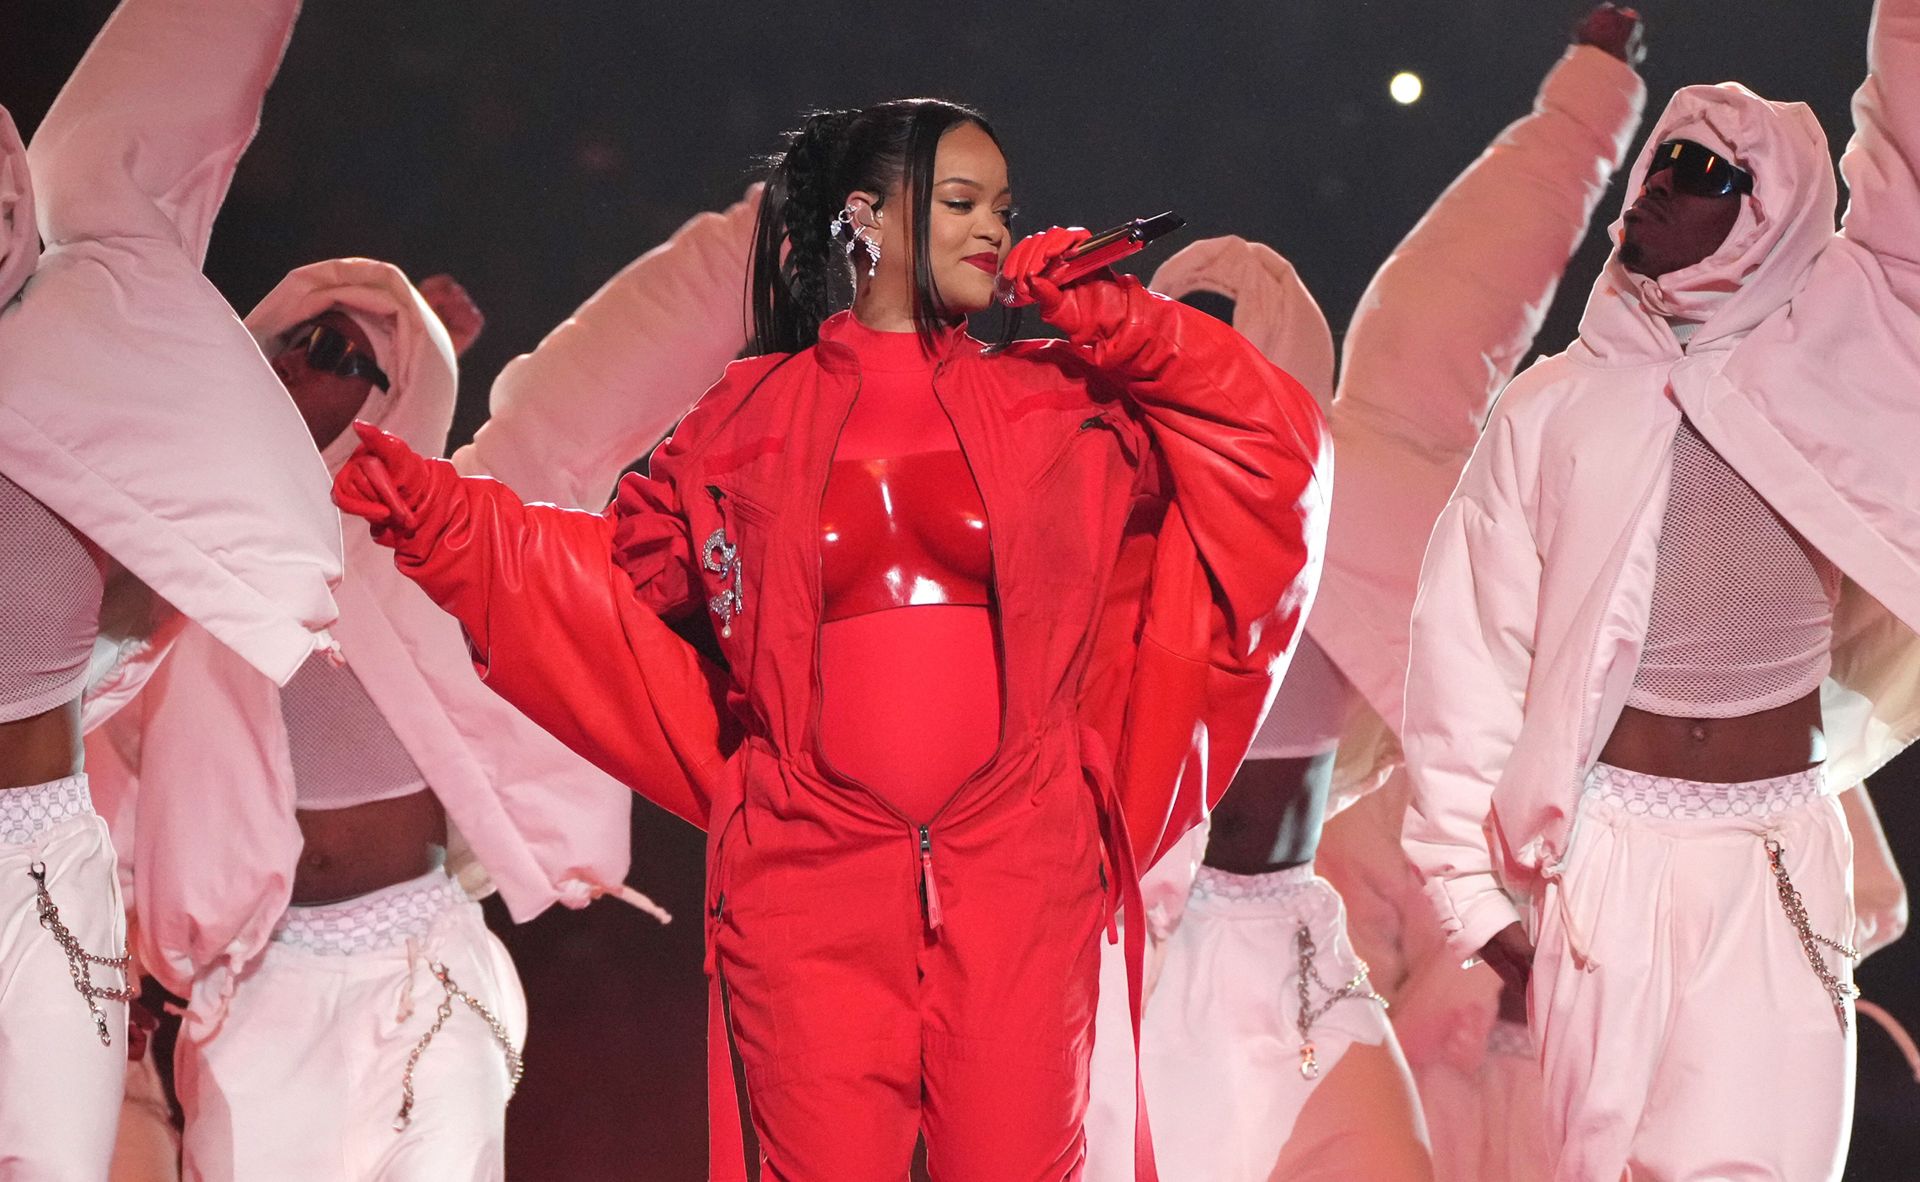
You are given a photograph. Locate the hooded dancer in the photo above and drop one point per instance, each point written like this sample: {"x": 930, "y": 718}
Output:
{"x": 117, "y": 527}
{"x": 1264, "y": 1048}
{"x": 147, "y": 1142}
{"x": 363, "y": 804}
{"x": 609, "y": 380}
{"x": 913, "y": 950}
{"x": 1637, "y": 679}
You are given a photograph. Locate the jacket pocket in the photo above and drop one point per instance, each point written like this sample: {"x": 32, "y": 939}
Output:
{"x": 730, "y": 503}
{"x": 1102, "y": 425}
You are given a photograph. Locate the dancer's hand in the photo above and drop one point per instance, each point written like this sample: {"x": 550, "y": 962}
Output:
{"x": 142, "y": 1021}
{"x": 1615, "y": 29}
{"x": 1021, "y": 273}
{"x": 1510, "y": 954}
{"x": 383, "y": 481}
{"x": 1513, "y": 1004}
{"x": 455, "y": 308}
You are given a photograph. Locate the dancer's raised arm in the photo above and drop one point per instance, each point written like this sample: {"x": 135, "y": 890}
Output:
{"x": 612, "y": 379}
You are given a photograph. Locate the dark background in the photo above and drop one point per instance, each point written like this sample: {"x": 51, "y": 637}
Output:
{"x": 531, "y": 148}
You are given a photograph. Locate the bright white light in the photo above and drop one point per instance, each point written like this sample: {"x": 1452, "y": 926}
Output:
{"x": 1405, "y": 88}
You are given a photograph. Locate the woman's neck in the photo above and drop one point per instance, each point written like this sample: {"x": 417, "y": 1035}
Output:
{"x": 882, "y": 310}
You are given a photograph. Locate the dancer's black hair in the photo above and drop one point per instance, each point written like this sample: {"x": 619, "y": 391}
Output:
{"x": 801, "y": 274}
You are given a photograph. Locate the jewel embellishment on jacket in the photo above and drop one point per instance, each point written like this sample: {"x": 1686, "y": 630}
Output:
{"x": 723, "y": 558}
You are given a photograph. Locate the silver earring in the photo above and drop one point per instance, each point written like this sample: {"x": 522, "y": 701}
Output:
{"x": 842, "y": 223}
{"x": 873, "y": 253}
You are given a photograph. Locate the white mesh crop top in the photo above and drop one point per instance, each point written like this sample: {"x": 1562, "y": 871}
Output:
{"x": 1742, "y": 615}
{"x": 343, "y": 751}
{"x": 50, "y": 590}
{"x": 1310, "y": 712}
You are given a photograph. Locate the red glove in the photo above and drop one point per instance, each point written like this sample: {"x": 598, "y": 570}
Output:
{"x": 384, "y": 481}
{"x": 1022, "y": 274}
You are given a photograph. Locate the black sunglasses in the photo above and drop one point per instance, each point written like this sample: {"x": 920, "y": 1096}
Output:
{"x": 329, "y": 351}
{"x": 1699, "y": 171}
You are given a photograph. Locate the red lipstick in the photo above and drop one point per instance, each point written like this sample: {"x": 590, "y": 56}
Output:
{"x": 986, "y": 260}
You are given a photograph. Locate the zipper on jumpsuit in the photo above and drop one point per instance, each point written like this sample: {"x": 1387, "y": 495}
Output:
{"x": 930, "y": 910}
{"x": 929, "y": 890}
{"x": 1577, "y": 941}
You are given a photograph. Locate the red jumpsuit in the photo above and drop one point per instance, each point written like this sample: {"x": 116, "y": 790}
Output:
{"x": 1155, "y": 493}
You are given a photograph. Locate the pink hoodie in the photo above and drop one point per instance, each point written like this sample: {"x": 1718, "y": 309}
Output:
{"x": 527, "y": 815}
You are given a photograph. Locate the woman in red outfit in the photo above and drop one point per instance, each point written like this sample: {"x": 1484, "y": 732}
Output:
{"x": 995, "y": 621}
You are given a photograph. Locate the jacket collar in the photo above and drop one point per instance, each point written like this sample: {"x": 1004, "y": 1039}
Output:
{"x": 836, "y": 353}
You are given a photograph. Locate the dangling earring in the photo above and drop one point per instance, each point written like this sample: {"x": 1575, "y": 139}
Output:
{"x": 842, "y": 223}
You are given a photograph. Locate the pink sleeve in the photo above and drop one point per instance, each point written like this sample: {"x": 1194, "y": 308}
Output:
{"x": 120, "y": 353}
{"x": 1467, "y": 676}
{"x": 1452, "y": 312}
{"x": 1879, "y": 892}
{"x": 1439, "y": 331}
{"x": 1882, "y": 160}
{"x": 144, "y": 138}
{"x": 612, "y": 379}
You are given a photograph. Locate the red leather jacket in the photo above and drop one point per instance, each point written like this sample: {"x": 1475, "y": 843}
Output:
{"x": 1157, "y": 499}
{"x": 1156, "y": 493}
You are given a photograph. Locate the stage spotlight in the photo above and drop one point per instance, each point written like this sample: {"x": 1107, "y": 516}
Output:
{"x": 1405, "y": 88}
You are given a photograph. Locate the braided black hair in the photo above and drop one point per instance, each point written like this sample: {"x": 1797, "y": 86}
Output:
{"x": 800, "y": 273}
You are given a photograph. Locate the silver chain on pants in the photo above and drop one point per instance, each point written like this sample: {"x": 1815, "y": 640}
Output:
{"x": 1309, "y": 976}
{"x": 1811, "y": 941}
{"x": 516, "y": 1066}
{"x": 80, "y": 962}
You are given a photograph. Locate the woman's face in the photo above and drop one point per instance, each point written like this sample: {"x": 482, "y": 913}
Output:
{"x": 968, "y": 229}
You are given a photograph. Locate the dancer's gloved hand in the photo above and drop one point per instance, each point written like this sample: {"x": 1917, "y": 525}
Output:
{"x": 384, "y": 481}
{"x": 1510, "y": 954}
{"x": 1022, "y": 274}
{"x": 1616, "y": 30}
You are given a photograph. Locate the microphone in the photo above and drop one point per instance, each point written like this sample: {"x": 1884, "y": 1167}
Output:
{"x": 1102, "y": 250}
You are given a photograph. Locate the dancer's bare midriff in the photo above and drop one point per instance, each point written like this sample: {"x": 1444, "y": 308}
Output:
{"x": 1759, "y": 746}
{"x": 353, "y": 851}
{"x": 1271, "y": 818}
{"x": 42, "y": 748}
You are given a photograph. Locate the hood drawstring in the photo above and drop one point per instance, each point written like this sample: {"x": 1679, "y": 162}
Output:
{"x": 404, "y": 1009}
{"x": 632, "y": 898}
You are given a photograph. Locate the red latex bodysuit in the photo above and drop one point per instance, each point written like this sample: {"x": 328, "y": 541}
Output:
{"x": 909, "y": 670}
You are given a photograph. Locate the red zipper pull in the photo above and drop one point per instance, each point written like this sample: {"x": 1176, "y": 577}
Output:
{"x": 929, "y": 892}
